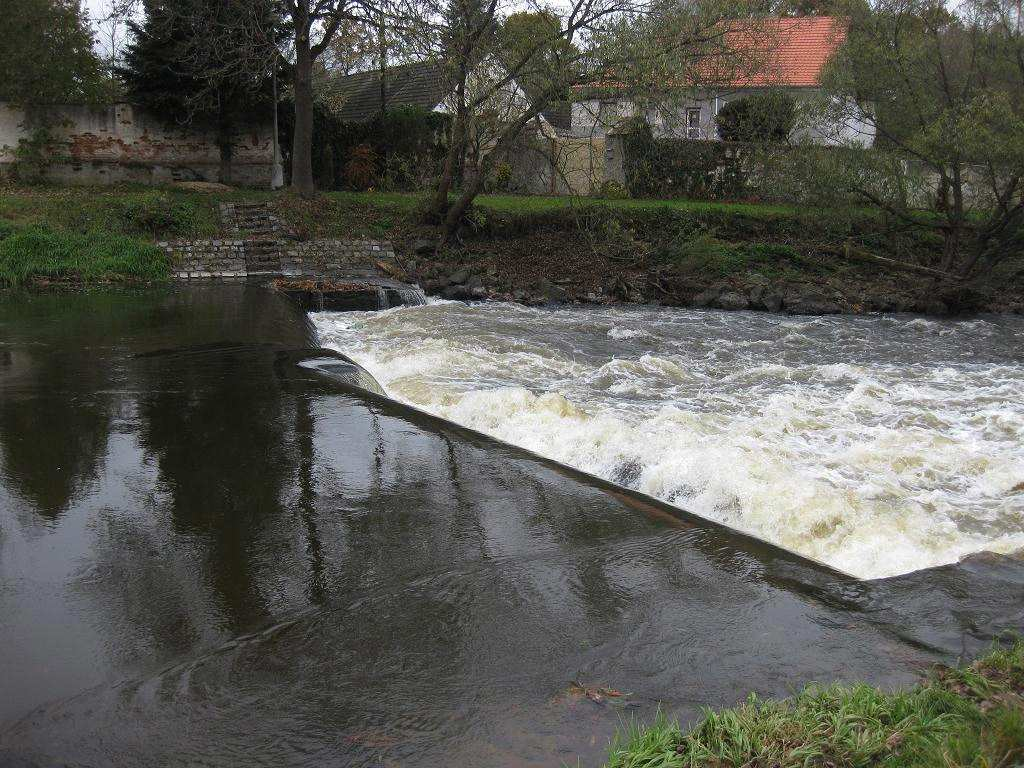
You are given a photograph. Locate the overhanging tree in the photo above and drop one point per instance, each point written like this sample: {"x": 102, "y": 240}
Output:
{"x": 941, "y": 85}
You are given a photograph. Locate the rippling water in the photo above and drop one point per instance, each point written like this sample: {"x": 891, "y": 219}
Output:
{"x": 879, "y": 445}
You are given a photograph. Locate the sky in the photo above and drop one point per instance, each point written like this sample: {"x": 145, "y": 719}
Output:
{"x": 97, "y": 10}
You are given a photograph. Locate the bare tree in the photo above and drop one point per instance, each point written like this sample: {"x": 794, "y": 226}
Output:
{"x": 940, "y": 84}
{"x": 636, "y": 47}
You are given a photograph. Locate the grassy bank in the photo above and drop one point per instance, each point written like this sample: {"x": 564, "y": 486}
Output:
{"x": 672, "y": 251}
{"x": 90, "y": 235}
{"x": 35, "y": 253}
{"x": 971, "y": 717}
{"x": 102, "y": 233}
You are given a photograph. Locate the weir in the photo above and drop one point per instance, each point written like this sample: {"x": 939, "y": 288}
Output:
{"x": 248, "y": 555}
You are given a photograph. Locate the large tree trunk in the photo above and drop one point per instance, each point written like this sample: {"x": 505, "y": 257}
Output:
{"x": 953, "y": 235}
{"x": 438, "y": 207}
{"x": 302, "y": 141}
{"x": 224, "y": 172}
{"x": 471, "y": 188}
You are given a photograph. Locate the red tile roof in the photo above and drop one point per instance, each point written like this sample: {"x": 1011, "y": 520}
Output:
{"x": 788, "y": 52}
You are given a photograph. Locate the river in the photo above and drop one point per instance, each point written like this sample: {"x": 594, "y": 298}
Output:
{"x": 879, "y": 445}
{"x": 220, "y": 547}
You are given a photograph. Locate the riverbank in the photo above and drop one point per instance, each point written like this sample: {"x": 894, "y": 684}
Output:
{"x": 532, "y": 250}
{"x": 969, "y": 716}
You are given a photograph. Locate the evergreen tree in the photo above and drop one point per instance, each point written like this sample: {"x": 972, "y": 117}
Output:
{"x": 205, "y": 63}
{"x": 46, "y": 54}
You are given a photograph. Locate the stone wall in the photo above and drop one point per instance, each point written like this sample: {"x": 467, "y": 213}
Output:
{"x": 557, "y": 165}
{"x": 207, "y": 259}
{"x": 353, "y": 258}
{"x": 230, "y": 259}
{"x": 121, "y": 143}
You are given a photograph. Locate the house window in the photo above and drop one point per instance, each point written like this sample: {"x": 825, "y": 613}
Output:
{"x": 693, "y": 123}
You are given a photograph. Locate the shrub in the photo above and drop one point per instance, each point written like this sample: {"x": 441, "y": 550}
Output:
{"x": 500, "y": 179}
{"x": 612, "y": 190}
{"x": 682, "y": 168}
{"x": 157, "y": 214}
{"x": 32, "y": 156}
{"x": 408, "y": 143}
{"x": 760, "y": 117}
{"x": 361, "y": 167}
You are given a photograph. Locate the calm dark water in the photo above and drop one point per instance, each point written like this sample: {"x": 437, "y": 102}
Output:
{"x": 215, "y": 551}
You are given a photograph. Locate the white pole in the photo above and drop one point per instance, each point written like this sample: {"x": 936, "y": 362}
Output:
{"x": 276, "y": 171}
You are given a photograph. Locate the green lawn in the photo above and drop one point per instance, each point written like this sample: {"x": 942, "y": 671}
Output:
{"x": 971, "y": 717}
{"x": 537, "y": 204}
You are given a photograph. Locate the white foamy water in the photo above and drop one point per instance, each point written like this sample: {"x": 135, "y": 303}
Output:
{"x": 880, "y": 445}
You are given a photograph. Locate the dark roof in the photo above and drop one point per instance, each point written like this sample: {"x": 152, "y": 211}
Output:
{"x": 421, "y": 84}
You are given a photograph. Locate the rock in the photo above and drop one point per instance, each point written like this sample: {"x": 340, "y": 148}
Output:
{"x": 457, "y": 292}
{"x": 479, "y": 292}
{"x": 810, "y": 303}
{"x": 732, "y": 301}
{"x": 552, "y": 292}
{"x": 423, "y": 247}
{"x": 705, "y": 298}
{"x": 772, "y": 302}
{"x": 459, "y": 276}
{"x": 475, "y": 282}
{"x": 434, "y": 286}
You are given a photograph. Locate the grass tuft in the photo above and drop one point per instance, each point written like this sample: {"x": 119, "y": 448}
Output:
{"x": 37, "y": 252}
{"x": 971, "y": 717}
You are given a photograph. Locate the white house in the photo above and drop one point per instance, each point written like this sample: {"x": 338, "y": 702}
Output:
{"x": 782, "y": 53}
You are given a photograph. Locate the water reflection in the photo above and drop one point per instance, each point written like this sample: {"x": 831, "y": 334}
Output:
{"x": 269, "y": 569}
{"x": 52, "y": 444}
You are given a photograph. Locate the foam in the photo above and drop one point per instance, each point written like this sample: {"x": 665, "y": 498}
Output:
{"x": 903, "y": 458}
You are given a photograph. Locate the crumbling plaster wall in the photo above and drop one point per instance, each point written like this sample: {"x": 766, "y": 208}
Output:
{"x": 121, "y": 143}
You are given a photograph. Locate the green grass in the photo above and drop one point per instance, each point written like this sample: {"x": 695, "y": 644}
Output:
{"x": 537, "y": 204}
{"x": 971, "y": 717}
{"x": 37, "y": 252}
{"x": 705, "y": 254}
{"x": 155, "y": 214}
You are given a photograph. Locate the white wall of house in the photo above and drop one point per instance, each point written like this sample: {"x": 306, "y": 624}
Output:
{"x": 694, "y": 118}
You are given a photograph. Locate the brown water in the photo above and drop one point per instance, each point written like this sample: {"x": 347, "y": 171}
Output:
{"x": 215, "y": 550}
